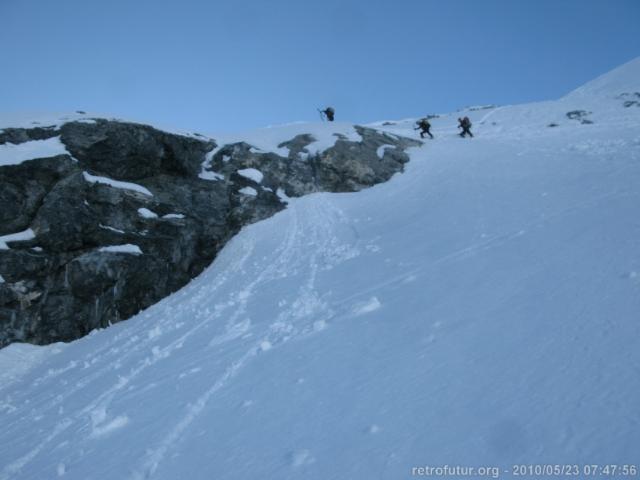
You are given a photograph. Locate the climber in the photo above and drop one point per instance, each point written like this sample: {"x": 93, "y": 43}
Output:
{"x": 465, "y": 125}
{"x": 424, "y": 126}
{"x": 329, "y": 112}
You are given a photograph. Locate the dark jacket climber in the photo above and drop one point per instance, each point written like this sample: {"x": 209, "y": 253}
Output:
{"x": 424, "y": 126}
{"x": 465, "y": 125}
{"x": 329, "y": 112}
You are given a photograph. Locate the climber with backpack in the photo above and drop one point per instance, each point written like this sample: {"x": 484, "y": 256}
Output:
{"x": 424, "y": 126}
{"x": 328, "y": 112}
{"x": 465, "y": 125}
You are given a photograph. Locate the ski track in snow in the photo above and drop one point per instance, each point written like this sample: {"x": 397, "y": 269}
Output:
{"x": 317, "y": 231}
{"x": 131, "y": 346}
{"x": 309, "y": 314}
{"x": 306, "y": 316}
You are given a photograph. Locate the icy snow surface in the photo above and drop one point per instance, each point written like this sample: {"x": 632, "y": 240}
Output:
{"x": 480, "y": 309}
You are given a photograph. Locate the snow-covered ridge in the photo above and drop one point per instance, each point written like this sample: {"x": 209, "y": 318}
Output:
{"x": 55, "y": 120}
{"x": 621, "y": 80}
{"x": 269, "y": 139}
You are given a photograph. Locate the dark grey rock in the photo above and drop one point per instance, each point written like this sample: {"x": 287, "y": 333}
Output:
{"x": 631, "y": 99}
{"x": 23, "y": 187}
{"x": 578, "y": 115}
{"x": 62, "y": 284}
{"x": 131, "y": 151}
{"x": 21, "y": 135}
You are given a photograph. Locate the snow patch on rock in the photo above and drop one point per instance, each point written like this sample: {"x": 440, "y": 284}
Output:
{"x": 208, "y": 175}
{"x": 16, "y": 237}
{"x": 126, "y": 248}
{"x": 107, "y": 227}
{"x": 146, "y": 213}
{"x": 248, "y": 191}
{"x": 381, "y": 149}
{"x": 11, "y": 154}
{"x": 116, "y": 183}
{"x": 252, "y": 174}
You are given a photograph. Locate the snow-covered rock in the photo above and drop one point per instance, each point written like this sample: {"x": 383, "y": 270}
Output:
{"x": 103, "y": 183}
{"x": 146, "y": 213}
{"x": 251, "y": 174}
{"x": 248, "y": 191}
{"x": 116, "y": 184}
{"x": 16, "y": 237}
{"x": 126, "y": 248}
{"x": 11, "y": 154}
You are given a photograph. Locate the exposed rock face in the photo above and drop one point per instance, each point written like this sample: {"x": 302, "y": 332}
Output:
{"x": 168, "y": 222}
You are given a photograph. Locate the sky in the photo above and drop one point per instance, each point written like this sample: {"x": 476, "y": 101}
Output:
{"x": 232, "y": 65}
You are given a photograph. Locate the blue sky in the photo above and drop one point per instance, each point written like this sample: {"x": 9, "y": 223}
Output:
{"x": 230, "y": 65}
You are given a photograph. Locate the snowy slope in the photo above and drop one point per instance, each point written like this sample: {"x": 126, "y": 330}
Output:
{"x": 479, "y": 310}
{"x": 623, "y": 79}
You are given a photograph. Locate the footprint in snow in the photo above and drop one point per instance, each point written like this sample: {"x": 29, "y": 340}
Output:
{"x": 367, "y": 306}
{"x": 100, "y": 425}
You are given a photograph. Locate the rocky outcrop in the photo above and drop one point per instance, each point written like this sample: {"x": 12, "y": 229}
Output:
{"x": 132, "y": 213}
